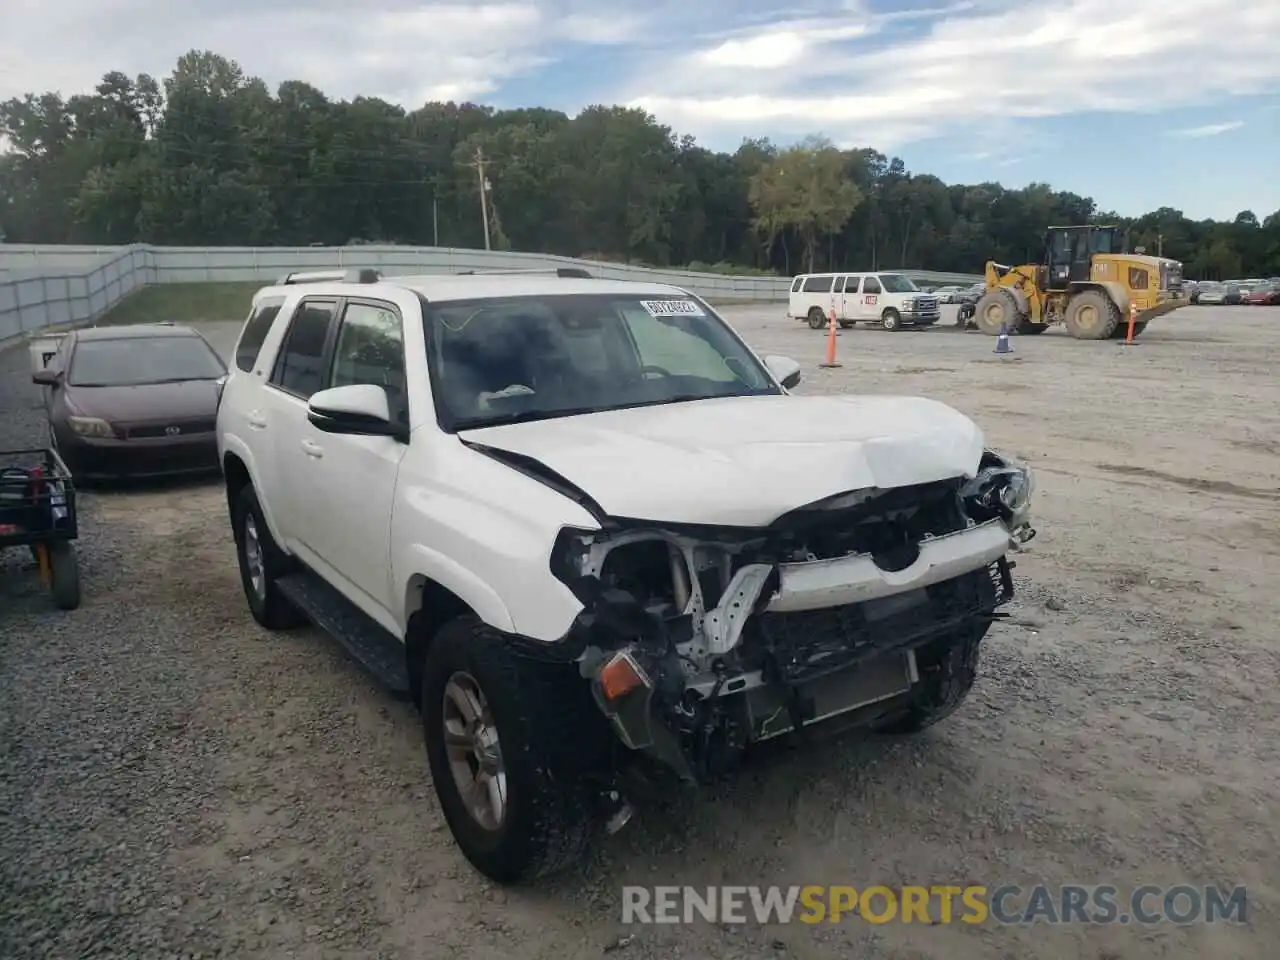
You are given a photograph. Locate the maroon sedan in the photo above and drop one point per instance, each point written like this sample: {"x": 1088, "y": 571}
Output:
{"x": 134, "y": 401}
{"x": 1263, "y": 295}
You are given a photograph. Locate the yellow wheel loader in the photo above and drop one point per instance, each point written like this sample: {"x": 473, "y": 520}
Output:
{"x": 1085, "y": 282}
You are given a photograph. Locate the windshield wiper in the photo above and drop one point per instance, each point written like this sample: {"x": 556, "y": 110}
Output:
{"x": 525, "y": 416}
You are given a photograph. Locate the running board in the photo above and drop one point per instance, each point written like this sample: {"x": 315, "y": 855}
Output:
{"x": 366, "y": 640}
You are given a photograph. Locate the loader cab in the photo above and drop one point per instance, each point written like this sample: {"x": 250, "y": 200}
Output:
{"x": 1069, "y": 252}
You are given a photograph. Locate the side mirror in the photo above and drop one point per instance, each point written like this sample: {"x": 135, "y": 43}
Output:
{"x": 47, "y": 377}
{"x": 359, "y": 410}
{"x": 785, "y": 370}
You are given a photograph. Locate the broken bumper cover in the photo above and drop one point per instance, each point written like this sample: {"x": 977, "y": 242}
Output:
{"x": 833, "y": 636}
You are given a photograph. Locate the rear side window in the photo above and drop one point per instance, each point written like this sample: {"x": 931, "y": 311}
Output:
{"x": 795, "y": 287}
{"x": 851, "y": 284}
{"x": 255, "y": 333}
{"x": 818, "y": 285}
{"x": 300, "y": 367}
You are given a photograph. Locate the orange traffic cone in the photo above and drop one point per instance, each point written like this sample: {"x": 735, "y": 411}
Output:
{"x": 831, "y": 342}
{"x": 1128, "y": 340}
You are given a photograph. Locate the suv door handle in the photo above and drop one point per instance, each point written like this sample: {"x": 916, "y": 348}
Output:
{"x": 256, "y": 420}
{"x": 312, "y": 449}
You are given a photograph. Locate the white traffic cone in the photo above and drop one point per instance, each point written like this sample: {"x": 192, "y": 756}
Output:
{"x": 1002, "y": 341}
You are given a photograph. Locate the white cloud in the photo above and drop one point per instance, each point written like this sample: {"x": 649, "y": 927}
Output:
{"x": 926, "y": 72}
{"x": 1208, "y": 130}
{"x": 719, "y": 69}
{"x": 404, "y": 50}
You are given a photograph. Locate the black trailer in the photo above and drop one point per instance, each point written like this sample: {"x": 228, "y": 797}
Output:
{"x": 38, "y": 511}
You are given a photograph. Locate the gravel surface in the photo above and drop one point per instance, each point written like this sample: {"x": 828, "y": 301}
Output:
{"x": 177, "y": 783}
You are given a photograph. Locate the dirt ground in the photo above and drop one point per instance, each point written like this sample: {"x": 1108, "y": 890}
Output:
{"x": 1123, "y": 730}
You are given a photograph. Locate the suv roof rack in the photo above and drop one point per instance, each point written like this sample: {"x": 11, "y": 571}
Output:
{"x": 575, "y": 273}
{"x": 361, "y": 275}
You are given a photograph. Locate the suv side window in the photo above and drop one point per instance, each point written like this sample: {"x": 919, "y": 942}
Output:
{"x": 851, "y": 284}
{"x": 370, "y": 349}
{"x": 255, "y": 331}
{"x": 299, "y": 369}
{"x": 799, "y": 282}
{"x": 818, "y": 285}
{"x": 870, "y": 285}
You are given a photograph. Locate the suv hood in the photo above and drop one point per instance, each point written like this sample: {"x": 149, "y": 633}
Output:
{"x": 744, "y": 461}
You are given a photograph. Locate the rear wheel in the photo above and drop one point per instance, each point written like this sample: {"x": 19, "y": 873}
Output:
{"x": 816, "y": 318}
{"x": 995, "y": 311}
{"x": 1092, "y": 315}
{"x": 262, "y": 563}
{"x": 64, "y": 574}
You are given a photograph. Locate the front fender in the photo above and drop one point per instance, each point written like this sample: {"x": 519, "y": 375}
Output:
{"x": 422, "y": 561}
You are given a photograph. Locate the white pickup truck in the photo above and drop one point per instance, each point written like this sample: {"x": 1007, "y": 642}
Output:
{"x": 588, "y": 531}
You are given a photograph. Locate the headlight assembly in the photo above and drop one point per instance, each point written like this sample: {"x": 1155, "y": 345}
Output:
{"x": 1002, "y": 488}
{"x": 90, "y": 427}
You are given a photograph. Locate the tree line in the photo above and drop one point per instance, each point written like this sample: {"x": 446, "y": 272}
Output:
{"x": 212, "y": 157}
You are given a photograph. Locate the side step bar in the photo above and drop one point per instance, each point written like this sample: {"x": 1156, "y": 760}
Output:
{"x": 379, "y": 652}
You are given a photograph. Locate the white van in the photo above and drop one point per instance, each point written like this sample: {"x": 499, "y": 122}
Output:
{"x": 890, "y": 299}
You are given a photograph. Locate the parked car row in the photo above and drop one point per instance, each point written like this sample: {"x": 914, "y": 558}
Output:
{"x": 957, "y": 293}
{"x": 1257, "y": 293}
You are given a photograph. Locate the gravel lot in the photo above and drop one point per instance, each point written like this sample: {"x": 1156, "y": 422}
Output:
{"x": 177, "y": 783}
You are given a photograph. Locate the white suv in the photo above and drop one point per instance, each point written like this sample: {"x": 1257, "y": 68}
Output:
{"x": 590, "y": 533}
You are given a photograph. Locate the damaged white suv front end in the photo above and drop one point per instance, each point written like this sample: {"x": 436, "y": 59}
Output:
{"x": 867, "y": 606}
{"x": 764, "y": 564}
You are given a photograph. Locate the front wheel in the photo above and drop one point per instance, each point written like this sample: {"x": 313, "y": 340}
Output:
{"x": 511, "y": 743}
{"x": 891, "y": 319}
{"x": 995, "y": 312}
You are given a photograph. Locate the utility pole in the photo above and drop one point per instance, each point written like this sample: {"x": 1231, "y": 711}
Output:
{"x": 1159, "y": 244}
{"x": 478, "y": 163}
{"x": 435, "y": 219}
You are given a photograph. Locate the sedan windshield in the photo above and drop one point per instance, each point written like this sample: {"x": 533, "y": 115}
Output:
{"x": 897, "y": 283}
{"x": 538, "y": 357}
{"x": 137, "y": 361}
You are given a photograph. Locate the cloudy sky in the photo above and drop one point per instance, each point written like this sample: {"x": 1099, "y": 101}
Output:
{"x": 1139, "y": 103}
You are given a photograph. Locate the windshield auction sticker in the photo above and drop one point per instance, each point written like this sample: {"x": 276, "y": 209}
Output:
{"x": 672, "y": 308}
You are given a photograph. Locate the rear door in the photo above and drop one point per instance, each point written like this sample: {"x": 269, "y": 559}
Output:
{"x": 298, "y": 372}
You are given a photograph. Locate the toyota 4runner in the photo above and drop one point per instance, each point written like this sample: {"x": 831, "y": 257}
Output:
{"x": 589, "y": 532}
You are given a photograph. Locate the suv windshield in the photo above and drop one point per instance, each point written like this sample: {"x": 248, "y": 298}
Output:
{"x": 897, "y": 283}
{"x": 137, "y": 361}
{"x": 528, "y": 358}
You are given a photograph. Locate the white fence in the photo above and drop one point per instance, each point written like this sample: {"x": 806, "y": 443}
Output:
{"x": 43, "y": 286}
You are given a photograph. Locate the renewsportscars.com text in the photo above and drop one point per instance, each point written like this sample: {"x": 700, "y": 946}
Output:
{"x": 936, "y": 904}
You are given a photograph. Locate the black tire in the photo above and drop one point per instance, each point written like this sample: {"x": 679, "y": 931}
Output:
{"x": 1121, "y": 332}
{"x": 947, "y": 673}
{"x": 995, "y": 309}
{"x": 268, "y": 606}
{"x": 64, "y": 574}
{"x": 846, "y": 324}
{"x": 1092, "y": 315}
{"x": 817, "y": 319}
{"x": 891, "y": 319}
{"x": 549, "y": 744}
